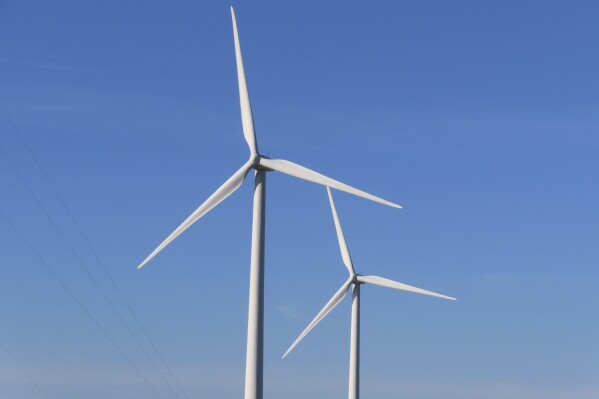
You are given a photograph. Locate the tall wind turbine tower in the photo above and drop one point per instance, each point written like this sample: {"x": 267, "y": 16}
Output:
{"x": 261, "y": 164}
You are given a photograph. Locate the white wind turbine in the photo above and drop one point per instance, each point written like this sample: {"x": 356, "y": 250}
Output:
{"x": 261, "y": 164}
{"x": 356, "y": 280}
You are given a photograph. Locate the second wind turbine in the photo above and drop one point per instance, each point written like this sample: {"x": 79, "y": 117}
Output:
{"x": 261, "y": 164}
{"x": 354, "y": 280}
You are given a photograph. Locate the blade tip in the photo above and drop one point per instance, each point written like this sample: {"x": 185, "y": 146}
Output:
{"x": 449, "y": 298}
{"x": 142, "y": 264}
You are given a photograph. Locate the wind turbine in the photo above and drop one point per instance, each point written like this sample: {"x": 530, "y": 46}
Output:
{"x": 354, "y": 280}
{"x": 261, "y": 164}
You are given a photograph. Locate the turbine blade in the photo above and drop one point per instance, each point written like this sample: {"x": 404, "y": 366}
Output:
{"x": 334, "y": 301}
{"x": 247, "y": 120}
{"x": 302, "y": 172}
{"x": 384, "y": 282}
{"x": 340, "y": 237}
{"x": 219, "y": 195}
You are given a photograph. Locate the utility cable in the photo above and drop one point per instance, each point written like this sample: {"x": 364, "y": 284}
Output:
{"x": 87, "y": 271}
{"x": 6, "y": 394}
{"x": 102, "y": 265}
{"x": 76, "y": 299}
{"x": 24, "y": 371}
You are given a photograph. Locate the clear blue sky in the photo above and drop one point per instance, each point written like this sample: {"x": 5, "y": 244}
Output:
{"x": 481, "y": 118}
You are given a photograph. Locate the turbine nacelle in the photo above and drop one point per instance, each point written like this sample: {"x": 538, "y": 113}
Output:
{"x": 255, "y": 160}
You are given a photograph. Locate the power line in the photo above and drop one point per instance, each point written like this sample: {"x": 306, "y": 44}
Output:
{"x": 6, "y": 394}
{"x": 95, "y": 254}
{"x": 24, "y": 371}
{"x": 76, "y": 299}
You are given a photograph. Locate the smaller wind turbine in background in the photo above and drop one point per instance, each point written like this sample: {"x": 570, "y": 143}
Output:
{"x": 356, "y": 280}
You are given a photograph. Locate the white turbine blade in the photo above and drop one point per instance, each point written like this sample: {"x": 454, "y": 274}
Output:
{"x": 340, "y": 237}
{"x": 384, "y": 282}
{"x": 302, "y": 172}
{"x": 247, "y": 120}
{"x": 219, "y": 195}
{"x": 334, "y": 301}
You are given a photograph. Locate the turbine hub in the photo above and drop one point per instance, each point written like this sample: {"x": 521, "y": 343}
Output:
{"x": 256, "y": 162}
{"x": 255, "y": 158}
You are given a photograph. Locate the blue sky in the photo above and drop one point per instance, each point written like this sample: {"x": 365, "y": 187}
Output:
{"x": 480, "y": 118}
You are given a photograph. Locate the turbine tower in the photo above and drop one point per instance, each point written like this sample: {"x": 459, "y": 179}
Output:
{"x": 354, "y": 280}
{"x": 261, "y": 164}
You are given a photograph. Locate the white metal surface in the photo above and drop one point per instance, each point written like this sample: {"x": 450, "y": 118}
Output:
{"x": 354, "y": 345}
{"x": 334, "y": 301}
{"x": 385, "y": 282}
{"x": 341, "y": 237}
{"x": 219, "y": 195}
{"x": 247, "y": 119}
{"x": 255, "y": 338}
{"x": 301, "y": 172}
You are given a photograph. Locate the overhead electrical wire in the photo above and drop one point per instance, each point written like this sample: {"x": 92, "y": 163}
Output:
{"x": 6, "y": 394}
{"x": 24, "y": 371}
{"x": 102, "y": 265}
{"x": 76, "y": 299}
{"x": 90, "y": 275}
